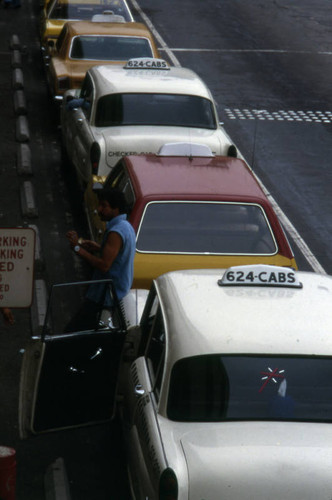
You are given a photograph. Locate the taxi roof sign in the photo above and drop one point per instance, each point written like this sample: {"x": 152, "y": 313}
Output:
{"x": 260, "y": 275}
{"x": 146, "y": 63}
{"x": 185, "y": 149}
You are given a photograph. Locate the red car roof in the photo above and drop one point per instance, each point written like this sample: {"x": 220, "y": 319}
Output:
{"x": 196, "y": 178}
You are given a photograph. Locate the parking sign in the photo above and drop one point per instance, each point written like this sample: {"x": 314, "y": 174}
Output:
{"x": 17, "y": 252}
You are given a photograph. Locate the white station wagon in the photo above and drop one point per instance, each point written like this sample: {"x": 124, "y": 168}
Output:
{"x": 135, "y": 109}
{"x": 226, "y": 384}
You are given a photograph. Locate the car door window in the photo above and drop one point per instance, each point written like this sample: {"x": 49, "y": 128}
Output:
{"x": 155, "y": 352}
{"x": 87, "y": 92}
{"x": 120, "y": 180}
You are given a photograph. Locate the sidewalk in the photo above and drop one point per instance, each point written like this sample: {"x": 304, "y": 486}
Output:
{"x": 17, "y": 205}
{"x": 36, "y": 189}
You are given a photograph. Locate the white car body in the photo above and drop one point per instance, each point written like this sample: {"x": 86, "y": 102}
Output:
{"x": 283, "y": 460}
{"x": 82, "y": 134}
{"x": 259, "y": 338}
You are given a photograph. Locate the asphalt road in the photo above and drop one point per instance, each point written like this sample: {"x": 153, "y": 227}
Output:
{"x": 268, "y": 66}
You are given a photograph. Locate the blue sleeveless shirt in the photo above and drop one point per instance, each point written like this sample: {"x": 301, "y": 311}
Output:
{"x": 122, "y": 269}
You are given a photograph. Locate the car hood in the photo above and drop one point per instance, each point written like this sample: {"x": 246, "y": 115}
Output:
{"x": 141, "y": 139}
{"x": 259, "y": 461}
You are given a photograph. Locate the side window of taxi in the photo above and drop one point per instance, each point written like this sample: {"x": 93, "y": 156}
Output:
{"x": 153, "y": 341}
{"x": 61, "y": 38}
{"x": 87, "y": 94}
{"x": 120, "y": 180}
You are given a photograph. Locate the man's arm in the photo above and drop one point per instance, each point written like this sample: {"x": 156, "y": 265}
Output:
{"x": 111, "y": 249}
{"x": 74, "y": 240}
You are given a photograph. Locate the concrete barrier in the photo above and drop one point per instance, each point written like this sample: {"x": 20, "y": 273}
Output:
{"x": 28, "y": 202}
{"x": 23, "y": 159}
{"x": 20, "y": 105}
{"x": 22, "y": 129}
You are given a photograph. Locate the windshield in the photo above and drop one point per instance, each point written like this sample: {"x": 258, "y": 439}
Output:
{"x": 155, "y": 109}
{"x": 85, "y": 11}
{"x": 109, "y": 48}
{"x": 202, "y": 227}
{"x": 221, "y": 388}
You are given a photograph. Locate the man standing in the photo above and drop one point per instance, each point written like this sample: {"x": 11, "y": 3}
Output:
{"x": 113, "y": 259}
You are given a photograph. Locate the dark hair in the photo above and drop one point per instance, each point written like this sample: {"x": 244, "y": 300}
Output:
{"x": 114, "y": 197}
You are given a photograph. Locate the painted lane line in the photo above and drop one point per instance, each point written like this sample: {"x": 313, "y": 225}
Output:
{"x": 250, "y": 51}
{"x": 158, "y": 37}
{"x": 280, "y": 115}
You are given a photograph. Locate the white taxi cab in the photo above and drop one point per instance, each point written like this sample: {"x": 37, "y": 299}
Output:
{"x": 134, "y": 109}
{"x": 226, "y": 384}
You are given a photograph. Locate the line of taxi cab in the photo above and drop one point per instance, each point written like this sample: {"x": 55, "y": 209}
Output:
{"x": 57, "y": 12}
{"x": 83, "y": 44}
{"x": 191, "y": 209}
{"x": 224, "y": 386}
{"x": 134, "y": 109}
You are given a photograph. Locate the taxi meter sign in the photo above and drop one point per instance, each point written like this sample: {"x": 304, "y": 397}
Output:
{"x": 261, "y": 275}
{"x": 146, "y": 63}
{"x": 17, "y": 252}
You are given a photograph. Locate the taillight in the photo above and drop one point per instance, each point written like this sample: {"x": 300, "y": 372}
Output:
{"x": 168, "y": 485}
{"x": 95, "y": 158}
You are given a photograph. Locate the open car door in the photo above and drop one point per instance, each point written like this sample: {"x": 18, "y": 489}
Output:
{"x": 70, "y": 379}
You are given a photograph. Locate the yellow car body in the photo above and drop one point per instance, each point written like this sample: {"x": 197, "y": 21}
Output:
{"x": 57, "y": 12}
{"x": 83, "y": 44}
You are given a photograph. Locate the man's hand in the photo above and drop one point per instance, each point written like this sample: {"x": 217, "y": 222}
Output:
{"x": 89, "y": 245}
{"x": 72, "y": 237}
{"x": 8, "y": 316}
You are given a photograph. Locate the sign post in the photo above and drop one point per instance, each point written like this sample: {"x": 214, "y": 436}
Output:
{"x": 17, "y": 254}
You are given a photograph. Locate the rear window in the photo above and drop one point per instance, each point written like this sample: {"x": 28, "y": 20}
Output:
{"x": 223, "y": 388}
{"x": 155, "y": 109}
{"x": 109, "y": 48}
{"x": 205, "y": 228}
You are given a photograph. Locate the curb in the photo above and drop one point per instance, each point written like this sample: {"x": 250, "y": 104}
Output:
{"x": 23, "y": 160}
{"x": 56, "y": 481}
{"x": 39, "y": 308}
{"x": 27, "y": 195}
{"x": 28, "y": 203}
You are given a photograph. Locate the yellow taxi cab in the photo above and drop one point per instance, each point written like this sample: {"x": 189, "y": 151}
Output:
{"x": 83, "y": 44}
{"x": 57, "y": 12}
{"x": 190, "y": 210}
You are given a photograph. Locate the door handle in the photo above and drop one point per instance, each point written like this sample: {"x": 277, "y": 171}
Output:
{"x": 139, "y": 391}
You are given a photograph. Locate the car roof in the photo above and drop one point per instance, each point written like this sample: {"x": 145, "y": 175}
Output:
{"x": 107, "y": 6}
{"x": 105, "y": 28}
{"x": 174, "y": 80}
{"x": 217, "y": 177}
{"x": 203, "y": 317}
